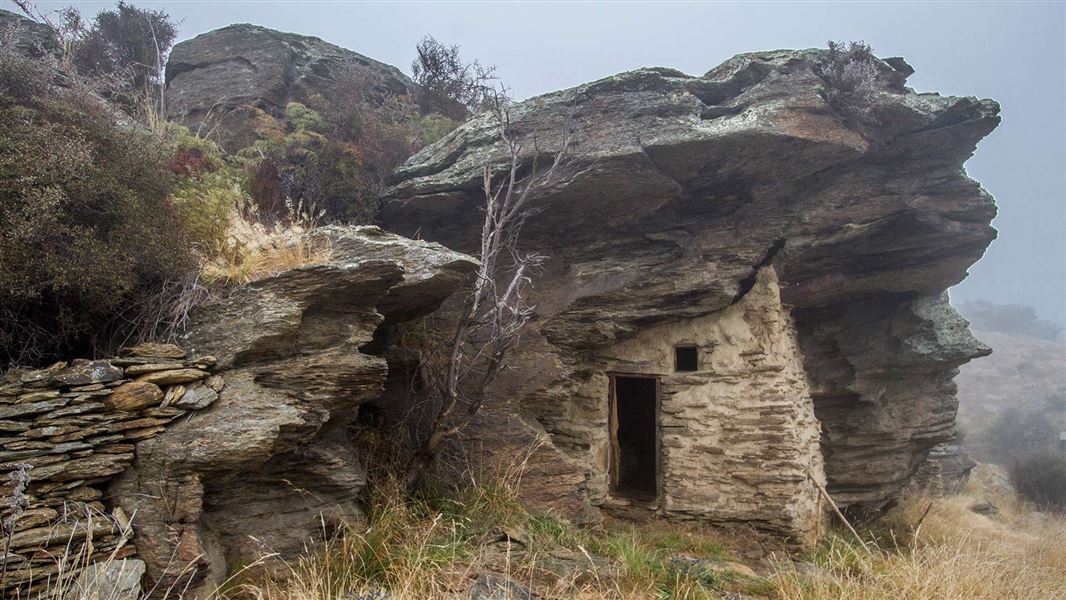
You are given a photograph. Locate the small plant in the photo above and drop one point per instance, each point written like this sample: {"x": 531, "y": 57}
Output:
{"x": 664, "y": 560}
{"x": 208, "y": 191}
{"x": 850, "y": 76}
{"x": 17, "y": 503}
{"x": 1040, "y": 477}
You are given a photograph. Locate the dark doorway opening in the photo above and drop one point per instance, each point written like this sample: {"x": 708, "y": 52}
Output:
{"x": 634, "y": 436}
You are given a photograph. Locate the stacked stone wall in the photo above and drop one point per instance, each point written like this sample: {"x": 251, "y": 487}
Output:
{"x": 65, "y": 432}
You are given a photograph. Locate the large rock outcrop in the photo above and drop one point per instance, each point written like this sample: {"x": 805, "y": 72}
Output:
{"x": 217, "y": 81}
{"x": 678, "y": 190}
{"x": 28, "y": 37}
{"x": 272, "y": 460}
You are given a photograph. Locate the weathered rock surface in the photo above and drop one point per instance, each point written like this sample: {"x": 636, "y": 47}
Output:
{"x": 945, "y": 471}
{"x": 113, "y": 580}
{"x": 28, "y": 37}
{"x": 259, "y": 470}
{"x": 221, "y": 76}
{"x": 882, "y": 377}
{"x": 679, "y": 188}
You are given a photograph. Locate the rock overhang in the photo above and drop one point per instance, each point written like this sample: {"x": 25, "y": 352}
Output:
{"x": 642, "y": 144}
{"x": 679, "y": 188}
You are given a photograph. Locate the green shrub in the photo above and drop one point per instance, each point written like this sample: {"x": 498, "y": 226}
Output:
{"x": 1040, "y": 477}
{"x": 298, "y": 163}
{"x": 302, "y": 118}
{"x": 340, "y": 163}
{"x": 208, "y": 190}
{"x": 86, "y": 230}
{"x": 433, "y": 127}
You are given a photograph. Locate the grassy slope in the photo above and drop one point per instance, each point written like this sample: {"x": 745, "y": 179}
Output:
{"x": 432, "y": 548}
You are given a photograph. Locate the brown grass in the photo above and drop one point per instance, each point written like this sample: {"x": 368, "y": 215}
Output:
{"x": 435, "y": 545}
{"x": 256, "y": 250}
{"x": 434, "y": 548}
{"x": 951, "y": 554}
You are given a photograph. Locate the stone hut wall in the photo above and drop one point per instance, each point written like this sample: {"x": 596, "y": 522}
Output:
{"x": 68, "y": 430}
{"x": 738, "y": 435}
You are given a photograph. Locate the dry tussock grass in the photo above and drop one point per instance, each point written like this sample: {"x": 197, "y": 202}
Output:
{"x": 431, "y": 547}
{"x": 254, "y": 249}
{"x": 952, "y": 553}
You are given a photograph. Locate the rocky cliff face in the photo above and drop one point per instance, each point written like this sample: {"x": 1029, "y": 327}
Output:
{"x": 679, "y": 188}
{"x": 27, "y": 37}
{"x": 217, "y": 81}
{"x": 260, "y": 469}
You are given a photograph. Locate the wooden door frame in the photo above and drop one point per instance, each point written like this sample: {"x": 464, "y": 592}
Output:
{"x": 614, "y": 454}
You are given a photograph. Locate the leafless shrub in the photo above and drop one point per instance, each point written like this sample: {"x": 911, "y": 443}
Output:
{"x": 159, "y": 315}
{"x": 454, "y": 86}
{"x": 850, "y": 74}
{"x": 496, "y": 307}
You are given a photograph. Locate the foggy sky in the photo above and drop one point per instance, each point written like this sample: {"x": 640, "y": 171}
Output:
{"x": 1012, "y": 52}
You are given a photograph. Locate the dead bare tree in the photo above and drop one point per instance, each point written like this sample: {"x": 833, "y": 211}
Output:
{"x": 496, "y": 307}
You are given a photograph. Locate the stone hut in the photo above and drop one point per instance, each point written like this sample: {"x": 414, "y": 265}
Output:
{"x": 745, "y": 296}
{"x": 744, "y": 301}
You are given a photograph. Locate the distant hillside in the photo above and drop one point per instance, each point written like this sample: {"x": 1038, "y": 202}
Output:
{"x": 1011, "y": 319}
{"x": 1014, "y": 400}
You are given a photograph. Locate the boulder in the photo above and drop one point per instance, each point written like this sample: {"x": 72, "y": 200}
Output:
{"x": 28, "y": 37}
{"x": 154, "y": 350}
{"x": 134, "y": 396}
{"x": 269, "y": 462}
{"x": 171, "y": 377}
{"x": 197, "y": 397}
{"x": 87, "y": 372}
{"x": 108, "y": 580}
{"x": 218, "y": 81}
{"x": 677, "y": 191}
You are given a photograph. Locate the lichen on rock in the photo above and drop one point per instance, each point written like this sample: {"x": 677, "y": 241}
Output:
{"x": 678, "y": 191}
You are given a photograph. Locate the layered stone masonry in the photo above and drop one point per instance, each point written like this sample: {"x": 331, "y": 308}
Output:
{"x": 739, "y": 438}
{"x": 65, "y": 431}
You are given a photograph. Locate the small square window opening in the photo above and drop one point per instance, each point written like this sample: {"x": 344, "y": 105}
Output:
{"x": 686, "y": 358}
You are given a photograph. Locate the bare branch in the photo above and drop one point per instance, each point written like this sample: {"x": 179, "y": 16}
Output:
{"x": 496, "y": 307}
